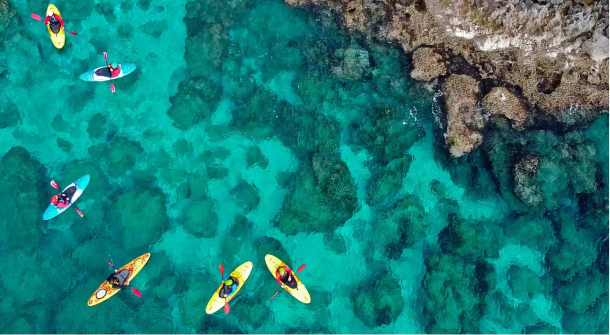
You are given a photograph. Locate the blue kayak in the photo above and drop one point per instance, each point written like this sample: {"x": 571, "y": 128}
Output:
{"x": 74, "y": 191}
{"x": 103, "y": 73}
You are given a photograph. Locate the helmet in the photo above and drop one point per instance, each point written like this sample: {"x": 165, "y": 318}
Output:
{"x": 50, "y": 13}
{"x": 229, "y": 282}
{"x": 54, "y": 200}
{"x": 282, "y": 271}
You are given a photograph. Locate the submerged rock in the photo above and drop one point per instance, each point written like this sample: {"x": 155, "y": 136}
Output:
{"x": 501, "y": 101}
{"x": 326, "y": 186}
{"x": 378, "y": 301}
{"x": 23, "y": 206}
{"x": 526, "y": 187}
{"x": 427, "y": 65}
{"x": 464, "y": 119}
{"x": 355, "y": 64}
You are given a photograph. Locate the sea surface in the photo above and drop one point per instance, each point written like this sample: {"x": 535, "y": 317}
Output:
{"x": 251, "y": 128}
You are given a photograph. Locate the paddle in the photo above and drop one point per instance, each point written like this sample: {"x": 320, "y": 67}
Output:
{"x": 37, "y": 17}
{"x": 56, "y": 186}
{"x": 136, "y": 292}
{"x": 222, "y": 274}
{"x": 282, "y": 287}
{"x": 109, "y": 70}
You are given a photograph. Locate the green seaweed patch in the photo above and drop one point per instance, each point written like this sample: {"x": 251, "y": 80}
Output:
{"x": 182, "y": 147}
{"x": 246, "y": 195}
{"x": 268, "y": 245}
{"x": 206, "y": 50}
{"x": 9, "y": 116}
{"x": 378, "y": 300}
{"x": 200, "y": 219}
{"x": 97, "y": 126}
{"x": 326, "y": 186}
{"x": 61, "y": 125}
{"x": 582, "y": 292}
{"x": 401, "y": 226}
{"x": 195, "y": 101}
{"x": 525, "y": 283}
{"x": 335, "y": 242}
{"x": 23, "y": 206}
{"x": 64, "y": 145}
{"x": 454, "y": 293}
{"x": 122, "y": 156}
{"x": 384, "y": 133}
{"x": 255, "y": 157}
{"x": 142, "y": 215}
{"x": 386, "y": 182}
{"x": 470, "y": 239}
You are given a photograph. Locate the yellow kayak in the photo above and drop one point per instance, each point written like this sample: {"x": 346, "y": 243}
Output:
{"x": 105, "y": 291}
{"x": 59, "y": 39}
{"x": 300, "y": 292}
{"x": 241, "y": 273}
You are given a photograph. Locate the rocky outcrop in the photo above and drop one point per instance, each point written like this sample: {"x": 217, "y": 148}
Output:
{"x": 427, "y": 65}
{"x": 355, "y": 63}
{"x": 500, "y": 101}
{"x": 554, "y": 52}
{"x": 526, "y": 187}
{"x": 464, "y": 119}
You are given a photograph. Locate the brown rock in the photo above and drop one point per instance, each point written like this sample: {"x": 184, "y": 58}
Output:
{"x": 526, "y": 187}
{"x": 501, "y": 101}
{"x": 464, "y": 119}
{"x": 427, "y": 65}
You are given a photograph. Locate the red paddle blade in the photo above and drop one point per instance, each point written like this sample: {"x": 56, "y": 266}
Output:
{"x": 105, "y": 55}
{"x": 54, "y": 184}
{"x": 79, "y": 212}
{"x": 73, "y": 33}
{"x": 227, "y": 308}
{"x": 222, "y": 271}
{"x": 112, "y": 88}
{"x": 136, "y": 292}
{"x": 36, "y": 17}
{"x": 301, "y": 268}
{"x": 112, "y": 266}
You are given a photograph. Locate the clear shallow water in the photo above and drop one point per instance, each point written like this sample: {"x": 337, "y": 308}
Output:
{"x": 252, "y": 128}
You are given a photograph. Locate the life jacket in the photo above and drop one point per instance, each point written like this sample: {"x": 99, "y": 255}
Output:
{"x": 117, "y": 280}
{"x": 54, "y": 24}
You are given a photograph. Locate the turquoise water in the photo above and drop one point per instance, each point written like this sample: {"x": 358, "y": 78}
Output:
{"x": 252, "y": 128}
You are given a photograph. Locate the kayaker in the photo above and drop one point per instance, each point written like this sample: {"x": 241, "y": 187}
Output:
{"x": 60, "y": 200}
{"x": 284, "y": 276}
{"x": 54, "y": 21}
{"x": 118, "y": 280}
{"x": 229, "y": 287}
{"x": 114, "y": 71}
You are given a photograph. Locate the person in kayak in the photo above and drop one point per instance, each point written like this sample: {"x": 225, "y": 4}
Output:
{"x": 54, "y": 21}
{"x": 284, "y": 276}
{"x": 60, "y": 200}
{"x": 229, "y": 287}
{"x": 118, "y": 279}
{"x": 114, "y": 71}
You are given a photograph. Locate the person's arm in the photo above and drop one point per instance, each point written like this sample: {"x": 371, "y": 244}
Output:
{"x": 46, "y": 20}
{"x": 277, "y": 277}
{"x": 59, "y": 19}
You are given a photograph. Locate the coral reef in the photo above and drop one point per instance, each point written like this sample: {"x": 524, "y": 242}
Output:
{"x": 464, "y": 119}
{"x": 555, "y": 53}
{"x": 500, "y": 101}
{"x": 427, "y": 64}
{"x": 380, "y": 303}
{"x": 325, "y": 185}
{"x": 24, "y": 205}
